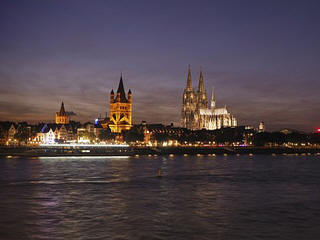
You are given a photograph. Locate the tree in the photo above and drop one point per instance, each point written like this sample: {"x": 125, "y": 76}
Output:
{"x": 230, "y": 135}
{"x": 261, "y": 139}
{"x": 106, "y": 134}
{"x": 133, "y": 135}
{"x": 1, "y": 133}
{"x": 161, "y": 137}
{"x": 278, "y": 137}
{"x": 315, "y": 138}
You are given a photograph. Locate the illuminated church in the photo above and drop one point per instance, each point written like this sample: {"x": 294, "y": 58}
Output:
{"x": 120, "y": 117}
{"x": 61, "y": 116}
{"x": 196, "y": 112}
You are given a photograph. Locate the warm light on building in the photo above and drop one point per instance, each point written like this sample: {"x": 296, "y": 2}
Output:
{"x": 198, "y": 114}
{"x": 262, "y": 127}
{"x": 120, "y": 109}
{"x": 61, "y": 116}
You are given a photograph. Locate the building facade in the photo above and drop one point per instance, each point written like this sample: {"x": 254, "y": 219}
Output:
{"x": 196, "y": 112}
{"x": 262, "y": 127}
{"x": 11, "y": 132}
{"x": 54, "y": 133}
{"x": 120, "y": 117}
{"x": 61, "y": 116}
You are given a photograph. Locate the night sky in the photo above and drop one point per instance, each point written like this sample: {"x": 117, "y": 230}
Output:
{"x": 262, "y": 57}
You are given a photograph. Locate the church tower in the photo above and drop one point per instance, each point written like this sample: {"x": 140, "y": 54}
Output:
{"x": 61, "y": 116}
{"x": 202, "y": 99}
{"x": 120, "y": 109}
{"x": 189, "y": 102}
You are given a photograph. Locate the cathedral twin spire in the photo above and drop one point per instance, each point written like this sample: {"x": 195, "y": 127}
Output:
{"x": 201, "y": 95}
{"x": 201, "y": 88}
{"x": 197, "y": 114}
{"x": 193, "y": 102}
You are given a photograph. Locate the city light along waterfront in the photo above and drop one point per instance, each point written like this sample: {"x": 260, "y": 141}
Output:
{"x": 205, "y": 129}
{"x": 68, "y": 150}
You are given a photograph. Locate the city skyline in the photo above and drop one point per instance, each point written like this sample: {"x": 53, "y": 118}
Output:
{"x": 260, "y": 58}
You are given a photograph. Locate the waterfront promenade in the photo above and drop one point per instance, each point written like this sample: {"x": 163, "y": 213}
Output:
{"x": 126, "y": 150}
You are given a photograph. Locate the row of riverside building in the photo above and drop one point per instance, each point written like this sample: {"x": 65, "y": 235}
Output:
{"x": 197, "y": 114}
{"x": 64, "y": 130}
{"x": 23, "y": 133}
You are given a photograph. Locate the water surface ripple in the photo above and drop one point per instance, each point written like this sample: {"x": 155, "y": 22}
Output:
{"x": 198, "y": 197}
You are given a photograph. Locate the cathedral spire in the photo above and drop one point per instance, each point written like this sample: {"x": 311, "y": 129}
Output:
{"x": 201, "y": 85}
{"x": 189, "y": 81}
{"x": 213, "y": 100}
{"x": 202, "y": 99}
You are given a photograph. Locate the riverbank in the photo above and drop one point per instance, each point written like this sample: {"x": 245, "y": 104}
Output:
{"x": 133, "y": 151}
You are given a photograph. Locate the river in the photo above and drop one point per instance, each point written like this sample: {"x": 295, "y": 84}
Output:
{"x": 197, "y": 197}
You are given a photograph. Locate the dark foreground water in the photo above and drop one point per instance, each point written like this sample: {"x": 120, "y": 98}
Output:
{"x": 233, "y": 197}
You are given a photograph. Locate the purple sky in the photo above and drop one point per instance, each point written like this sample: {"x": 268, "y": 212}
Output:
{"x": 262, "y": 57}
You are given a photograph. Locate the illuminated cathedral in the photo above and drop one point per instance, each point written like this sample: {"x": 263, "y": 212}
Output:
{"x": 120, "y": 117}
{"x": 196, "y": 112}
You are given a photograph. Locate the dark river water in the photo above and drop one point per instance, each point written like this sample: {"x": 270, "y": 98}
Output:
{"x": 197, "y": 197}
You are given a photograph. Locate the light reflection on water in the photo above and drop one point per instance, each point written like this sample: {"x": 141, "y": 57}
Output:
{"x": 82, "y": 157}
{"x": 197, "y": 197}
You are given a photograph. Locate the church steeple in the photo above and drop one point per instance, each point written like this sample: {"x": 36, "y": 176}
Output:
{"x": 202, "y": 99}
{"x": 120, "y": 113}
{"x": 62, "y": 110}
{"x": 121, "y": 95}
{"x": 129, "y": 96}
{"x": 61, "y": 116}
{"x": 189, "y": 101}
{"x": 112, "y": 96}
{"x": 201, "y": 85}
{"x": 189, "y": 80}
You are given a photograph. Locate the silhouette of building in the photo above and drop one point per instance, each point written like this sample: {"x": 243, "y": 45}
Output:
{"x": 196, "y": 114}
